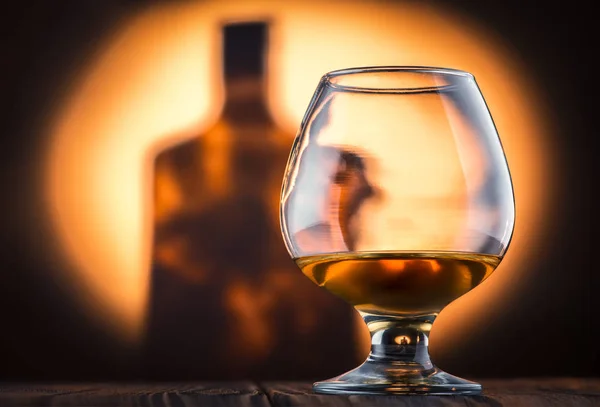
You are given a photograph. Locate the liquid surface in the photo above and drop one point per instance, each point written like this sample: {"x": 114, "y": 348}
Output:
{"x": 399, "y": 282}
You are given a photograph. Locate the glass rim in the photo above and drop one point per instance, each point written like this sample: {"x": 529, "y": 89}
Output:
{"x": 329, "y": 78}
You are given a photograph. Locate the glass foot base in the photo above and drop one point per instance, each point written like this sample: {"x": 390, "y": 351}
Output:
{"x": 393, "y": 379}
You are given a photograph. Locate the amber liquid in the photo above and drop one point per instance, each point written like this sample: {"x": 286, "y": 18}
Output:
{"x": 399, "y": 282}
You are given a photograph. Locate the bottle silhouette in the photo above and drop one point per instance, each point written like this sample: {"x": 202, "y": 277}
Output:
{"x": 226, "y": 300}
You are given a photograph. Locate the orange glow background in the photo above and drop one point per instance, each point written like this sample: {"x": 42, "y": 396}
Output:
{"x": 158, "y": 75}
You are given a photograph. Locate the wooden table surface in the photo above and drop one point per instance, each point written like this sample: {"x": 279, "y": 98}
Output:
{"x": 559, "y": 392}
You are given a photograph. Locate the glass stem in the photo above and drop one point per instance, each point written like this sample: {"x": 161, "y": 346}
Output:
{"x": 399, "y": 362}
{"x": 401, "y": 341}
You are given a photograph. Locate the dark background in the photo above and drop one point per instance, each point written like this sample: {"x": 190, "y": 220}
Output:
{"x": 553, "y": 330}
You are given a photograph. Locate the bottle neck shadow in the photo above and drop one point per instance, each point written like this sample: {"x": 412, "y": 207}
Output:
{"x": 245, "y": 101}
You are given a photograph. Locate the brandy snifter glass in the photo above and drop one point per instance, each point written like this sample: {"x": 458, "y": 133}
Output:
{"x": 397, "y": 198}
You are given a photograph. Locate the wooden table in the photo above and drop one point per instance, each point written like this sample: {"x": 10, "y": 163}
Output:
{"x": 559, "y": 392}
